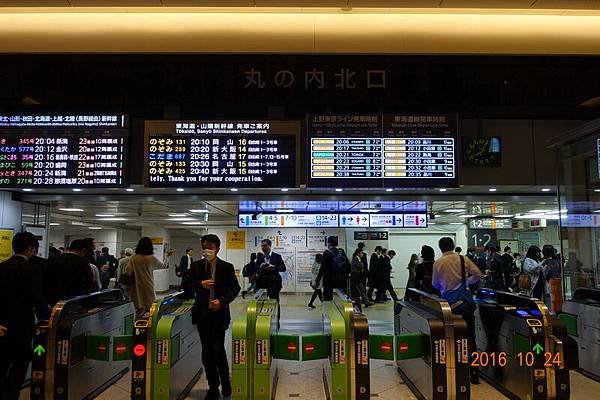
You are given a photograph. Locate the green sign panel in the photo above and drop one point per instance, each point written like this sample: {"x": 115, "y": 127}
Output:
{"x": 409, "y": 346}
{"x": 286, "y": 347}
{"x": 315, "y": 347}
{"x": 382, "y": 347}
{"x": 122, "y": 347}
{"x": 97, "y": 347}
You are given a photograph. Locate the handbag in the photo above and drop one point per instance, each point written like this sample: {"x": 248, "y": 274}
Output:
{"x": 127, "y": 279}
{"x": 524, "y": 281}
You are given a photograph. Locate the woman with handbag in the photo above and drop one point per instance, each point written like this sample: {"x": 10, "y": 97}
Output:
{"x": 318, "y": 288}
{"x": 533, "y": 274}
{"x": 139, "y": 276}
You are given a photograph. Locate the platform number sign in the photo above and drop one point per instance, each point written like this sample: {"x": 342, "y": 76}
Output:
{"x": 482, "y": 238}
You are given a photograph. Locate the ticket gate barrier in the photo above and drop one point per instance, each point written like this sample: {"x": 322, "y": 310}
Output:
{"x": 71, "y": 351}
{"x": 166, "y": 359}
{"x": 522, "y": 350}
{"x": 581, "y": 316}
{"x": 431, "y": 347}
{"x": 258, "y": 345}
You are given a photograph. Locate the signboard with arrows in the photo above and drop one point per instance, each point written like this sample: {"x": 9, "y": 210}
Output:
{"x": 354, "y": 220}
{"x": 332, "y": 220}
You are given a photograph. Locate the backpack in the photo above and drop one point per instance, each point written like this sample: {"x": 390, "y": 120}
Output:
{"x": 340, "y": 267}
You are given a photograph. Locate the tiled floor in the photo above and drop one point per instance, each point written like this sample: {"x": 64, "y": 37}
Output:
{"x": 304, "y": 379}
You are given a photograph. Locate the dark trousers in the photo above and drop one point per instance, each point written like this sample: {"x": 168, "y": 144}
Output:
{"x": 316, "y": 293}
{"x": 15, "y": 356}
{"x": 214, "y": 357}
{"x": 273, "y": 293}
{"x": 468, "y": 314}
{"x": 387, "y": 287}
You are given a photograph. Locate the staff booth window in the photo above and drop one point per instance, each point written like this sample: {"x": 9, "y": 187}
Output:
{"x": 579, "y": 201}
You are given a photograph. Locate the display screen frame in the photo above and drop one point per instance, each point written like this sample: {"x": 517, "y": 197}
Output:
{"x": 290, "y": 128}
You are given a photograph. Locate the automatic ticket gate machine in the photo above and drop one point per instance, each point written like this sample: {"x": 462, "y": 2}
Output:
{"x": 166, "y": 359}
{"x": 72, "y": 358}
{"x": 581, "y": 316}
{"x": 522, "y": 350}
{"x": 432, "y": 352}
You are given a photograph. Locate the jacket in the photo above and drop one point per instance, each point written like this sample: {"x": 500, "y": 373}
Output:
{"x": 21, "y": 296}
{"x": 142, "y": 291}
{"x": 183, "y": 265}
{"x": 66, "y": 277}
{"x": 535, "y": 270}
{"x": 226, "y": 290}
{"x": 332, "y": 279}
{"x": 270, "y": 276}
{"x": 374, "y": 264}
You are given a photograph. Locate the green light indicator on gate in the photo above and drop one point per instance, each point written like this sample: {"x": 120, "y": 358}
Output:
{"x": 39, "y": 350}
{"x": 538, "y": 348}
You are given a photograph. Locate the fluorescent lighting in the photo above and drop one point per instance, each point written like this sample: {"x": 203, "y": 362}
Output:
{"x": 54, "y": 224}
{"x": 105, "y": 215}
{"x": 180, "y": 189}
{"x": 177, "y": 215}
{"x": 443, "y": 190}
{"x": 339, "y": 190}
{"x": 562, "y": 211}
{"x": 200, "y": 210}
{"x": 77, "y": 190}
{"x": 178, "y": 219}
{"x": 95, "y": 228}
{"x": 431, "y": 223}
{"x": 129, "y": 189}
{"x": 233, "y": 190}
{"x": 546, "y": 189}
{"x": 369, "y": 210}
{"x": 192, "y": 223}
{"x": 596, "y": 211}
{"x": 539, "y": 211}
{"x": 78, "y": 223}
{"x": 284, "y": 210}
{"x": 456, "y": 223}
{"x": 455, "y": 210}
{"x": 71, "y": 209}
{"x": 530, "y": 216}
{"x": 285, "y": 189}
{"x": 113, "y": 219}
{"x": 596, "y": 190}
{"x": 504, "y": 216}
{"x": 389, "y": 190}
{"x": 492, "y": 189}
{"x": 28, "y": 190}
{"x": 468, "y": 215}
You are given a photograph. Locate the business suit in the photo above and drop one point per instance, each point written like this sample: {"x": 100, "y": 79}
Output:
{"x": 66, "y": 277}
{"x": 183, "y": 271}
{"x": 374, "y": 267}
{"x": 213, "y": 324}
{"x": 272, "y": 276}
{"x": 20, "y": 295}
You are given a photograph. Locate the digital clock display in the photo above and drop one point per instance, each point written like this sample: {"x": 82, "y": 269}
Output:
{"x": 382, "y": 150}
{"x": 63, "y": 150}
{"x": 221, "y": 154}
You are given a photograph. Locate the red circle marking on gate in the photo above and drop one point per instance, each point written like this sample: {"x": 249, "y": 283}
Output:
{"x": 102, "y": 347}
{"x": 292, "y": 347}
{"x": 403, "y": 347}
{"x": 139, "y": 350}
{"x": 120, "y": 348}
{"x": 309, "y": 348}
{"x": 385, "y": 347}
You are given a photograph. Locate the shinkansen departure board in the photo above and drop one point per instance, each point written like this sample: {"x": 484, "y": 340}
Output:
{"x": 222, "y": 154}
{"x": 63, "y": 150}
{"x": 382, "y": 150}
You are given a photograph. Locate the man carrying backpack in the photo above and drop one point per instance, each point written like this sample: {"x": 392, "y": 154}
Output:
{"x": 335, "y": 269}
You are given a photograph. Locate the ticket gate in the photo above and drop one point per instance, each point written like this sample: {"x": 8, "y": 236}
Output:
{"x": 522, "y": 350}
{"x": 166, "y": 359}
{"x": 72, "y": 358}
{"x": 259, "y": 344}
{"x": 581, "y": 316}
{"x": 432, "y": 353}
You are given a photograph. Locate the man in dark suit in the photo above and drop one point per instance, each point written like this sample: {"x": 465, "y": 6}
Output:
{"x": 69, "y": 275}
{"x": 271, "y": 264}
{"x": 216, "y": 286}
{"x": 107, "y": 263}
{"x": 183, "y": 270}
{"x": 374, "y": 265}
{"x": 20, "y": 296}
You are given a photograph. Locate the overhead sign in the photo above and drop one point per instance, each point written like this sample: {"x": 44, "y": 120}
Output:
{"x": 221, "y": 154}
{"x": 333, "y": 220}
{"x": 371, "y": 235}
{"x": 378, "y": 151}
{"x": 354, "y": 220}
{"x": 387, "y": 220}
{"x": 490, "y": 223}
{"x": 63, "y": 150}
{"x": 580, "y": 220}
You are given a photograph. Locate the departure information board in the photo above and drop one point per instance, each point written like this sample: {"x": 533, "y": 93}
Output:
{"x": 382, "y": 150}
{"x": 63, "y": 150}
{"x": 221, "y": 154}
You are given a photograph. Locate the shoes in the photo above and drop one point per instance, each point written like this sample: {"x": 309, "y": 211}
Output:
{"x": 474, "y": 380}
{"x": 311, "y": 306}
{"x": 212, "y": 395}
{"x": 244, "y": 293}
{"x": 368, "y": 303}
{"x": 226, "y": 391}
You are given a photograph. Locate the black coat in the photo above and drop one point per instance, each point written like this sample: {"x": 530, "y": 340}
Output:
{"x": 21, "y": 296}
{"x": 331, "y": 278}
{"x": 374, "y": 264}
{"x": 183, "y": 265}
{"x": 68, "y": 276}
{"x": 270, "y": 278}
{"x": 226, "y": 290}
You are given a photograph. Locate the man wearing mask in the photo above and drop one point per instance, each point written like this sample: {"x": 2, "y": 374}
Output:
{"x": 21, "y": 297}
{"x": 216, "y": 286}
{"x": 270, "y": 265}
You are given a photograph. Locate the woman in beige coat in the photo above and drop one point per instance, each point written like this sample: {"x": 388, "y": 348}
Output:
{"x": 142, "y": 266}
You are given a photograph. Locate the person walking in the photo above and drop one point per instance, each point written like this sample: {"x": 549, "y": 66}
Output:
{"x": 452, "y": 276}
{"x": 374, "y": 265}
{"x": 215, "y": 287}
{"x": 335, "y": 269}
{"x": 107, "y": 264}
{"x": 270, "y": 266}
{"x": 386, "y": 277}
{"x": 249, "y": 271}
{"x": 141, "y": 266}
{"x": 412, "y": 273}
{"x": 533, "y": 267}
{"x": 182, "y": 270}
{"x": 357, "y": 273}
{"x": 424, "y": 271}
{"x": 317, "y": 288}
{"x": 21, "y": 299}
{"x": 122, "y": 267}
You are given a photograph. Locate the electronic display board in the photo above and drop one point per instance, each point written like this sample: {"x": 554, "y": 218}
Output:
{"x": 222, "y": 154}
{"x": 63, "y": 150}
{"x": 331, "y": 220}
{"x": 382, "y": 150}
